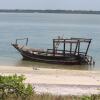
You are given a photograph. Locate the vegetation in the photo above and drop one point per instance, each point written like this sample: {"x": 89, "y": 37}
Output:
{"x": 13, "y": 88}
{"x": 50, "y": 11}
{"x": 52, "y": 97}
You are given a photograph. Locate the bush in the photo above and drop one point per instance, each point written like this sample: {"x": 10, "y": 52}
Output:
{"x": 13, "y": 87}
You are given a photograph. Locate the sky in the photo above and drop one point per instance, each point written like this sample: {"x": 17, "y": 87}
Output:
{"x": 51, "y": 4}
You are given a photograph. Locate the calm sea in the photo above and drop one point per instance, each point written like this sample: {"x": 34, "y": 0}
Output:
{"x": 40, "y": 29}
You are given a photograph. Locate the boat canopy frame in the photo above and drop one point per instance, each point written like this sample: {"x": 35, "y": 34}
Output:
{"x": 71, "y": 41}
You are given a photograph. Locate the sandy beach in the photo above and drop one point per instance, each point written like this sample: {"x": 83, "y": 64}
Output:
{"x": 58, "y": 81}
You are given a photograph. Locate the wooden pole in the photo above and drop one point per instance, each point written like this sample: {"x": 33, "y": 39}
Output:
{"x": 16, "y": 41}
{"x": 87, "y": 48}
{"x": 53, "y": 47}
{"x": 78, "y": 47}
{"x": 26, "y": 41}
{"x": 64, "y": 48}
{"x": 70, "y": 48}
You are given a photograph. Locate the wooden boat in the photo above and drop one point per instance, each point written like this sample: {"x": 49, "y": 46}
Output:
{"x": 71, "y": 55}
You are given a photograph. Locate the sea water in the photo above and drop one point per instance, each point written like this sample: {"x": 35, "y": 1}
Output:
{"x": 41, "y": 28}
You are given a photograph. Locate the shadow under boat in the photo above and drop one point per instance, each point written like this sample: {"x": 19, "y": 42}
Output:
{"x": 58, "y": 55}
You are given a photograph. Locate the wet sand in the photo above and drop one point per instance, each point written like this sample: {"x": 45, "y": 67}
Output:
{"x": 58, "y": 81}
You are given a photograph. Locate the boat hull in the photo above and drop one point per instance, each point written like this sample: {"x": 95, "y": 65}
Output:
{"x": 64, "y": 60}
{"x": 51, "y": 59}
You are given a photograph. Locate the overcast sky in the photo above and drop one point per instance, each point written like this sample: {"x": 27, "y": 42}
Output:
{"x": 51, "y": 4}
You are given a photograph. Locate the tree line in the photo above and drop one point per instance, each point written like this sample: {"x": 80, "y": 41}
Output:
{"x": 50, "y": 11}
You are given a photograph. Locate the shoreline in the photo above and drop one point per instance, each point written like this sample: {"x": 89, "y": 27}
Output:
{"x": 58, "y": 81}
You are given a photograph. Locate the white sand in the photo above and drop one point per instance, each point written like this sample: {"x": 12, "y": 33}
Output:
{"x": 58, "y": 81}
